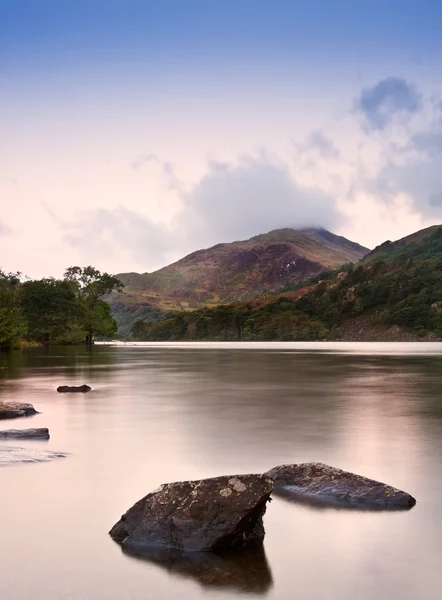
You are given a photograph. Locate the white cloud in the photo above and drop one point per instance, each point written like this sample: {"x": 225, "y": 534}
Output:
{"x": 252, "y": 195}
{"x": 103, "y": 234}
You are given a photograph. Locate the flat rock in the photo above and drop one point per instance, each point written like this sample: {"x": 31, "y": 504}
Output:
{"x": 323, "y": 484}
{"x": 12, "y": 410}
{"x": 244, "y": 570}
{"x": 73, "y": 388}
{"x": 11, "y": 455}
{"x": 25, "y": 434}
{"x": 202, "y": 515}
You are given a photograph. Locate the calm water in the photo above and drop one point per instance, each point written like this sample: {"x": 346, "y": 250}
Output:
{"x": 166, "y": 412}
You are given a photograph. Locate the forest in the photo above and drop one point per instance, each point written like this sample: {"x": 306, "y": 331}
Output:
{"x": 56, "y": 311}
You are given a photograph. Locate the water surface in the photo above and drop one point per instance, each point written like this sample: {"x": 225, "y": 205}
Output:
{"x": 165, "y": 412}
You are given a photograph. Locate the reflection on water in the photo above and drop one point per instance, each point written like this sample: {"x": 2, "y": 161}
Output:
{"x": 240, "y": 571}
{"x": 169, "y": 412}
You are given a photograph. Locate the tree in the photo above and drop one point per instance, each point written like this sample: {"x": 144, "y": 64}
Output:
{"x": 90, "y": 283}
{"x": 51, "y": 309}
{"x": 12, "y": 321}
{"x": 90, "y": 286}
{"x": 138, "y": 330}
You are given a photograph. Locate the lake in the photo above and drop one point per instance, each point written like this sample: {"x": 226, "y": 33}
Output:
{"x": 166, "y": 412}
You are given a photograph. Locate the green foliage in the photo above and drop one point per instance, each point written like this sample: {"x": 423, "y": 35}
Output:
{"x": 429, "y": 248}
{"x": 127, "y": 316}
{"x": 276, "y": 320}
{"x": 67, "y": 311}
{"x": 50, "y": 308}
{"x": 89, "y": 285}
{"x": 12, "y": 321}
{"x": 98, "y": 320}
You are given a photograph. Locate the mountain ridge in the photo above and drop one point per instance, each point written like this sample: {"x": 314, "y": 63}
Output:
{"x": 233, "y": 271}
{"x": 395, "y": 296}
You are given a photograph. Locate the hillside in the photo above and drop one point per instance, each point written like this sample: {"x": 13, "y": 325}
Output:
{"x": 395, "y": 294}
{"x": 229, "y": 272}
{"x": 406, "y": 247}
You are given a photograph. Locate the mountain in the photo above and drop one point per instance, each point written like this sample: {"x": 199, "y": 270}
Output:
{"x": 394, "y": 294}
{"x": 228, "y": 272}
{"x": 407, "y": 246}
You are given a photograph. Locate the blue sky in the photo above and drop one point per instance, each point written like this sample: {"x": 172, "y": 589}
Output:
{"x": 194, "y": 32}
{"x": 135, "y": 131}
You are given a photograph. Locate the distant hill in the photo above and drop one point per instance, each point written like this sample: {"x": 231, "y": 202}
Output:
{"x": 228, "y": 272}
{"x": 405, "y": 247}
{"x": 394, "y": 294}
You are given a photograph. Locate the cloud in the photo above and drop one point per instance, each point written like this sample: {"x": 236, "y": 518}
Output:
{"x": 143, "y": 159}
{"x": 53, "y": 215}
{"x": 5, "y": 229}
{"x": 429, "y": 142}
{"x": 390, "y": 97}
{"x": 416, "y": 171}
{"x": 168, "y": 170}
{"x": 318, "y": 143}
{"x": 231, "y": 201}
{"x": 104, "y": 233}
{"x": 254, "y": 195}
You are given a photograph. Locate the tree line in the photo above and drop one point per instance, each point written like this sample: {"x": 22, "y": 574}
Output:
{"x": 59, "y": 311}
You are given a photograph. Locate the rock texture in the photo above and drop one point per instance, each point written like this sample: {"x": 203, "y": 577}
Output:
{"x": 207, "y": 514}
{"x": 12, "y": 410}
{"x": 328, "y": 485}
{"x": 73, "y": 388}
{"x": 11, "y": 455}
{"x": 25, "y": 434}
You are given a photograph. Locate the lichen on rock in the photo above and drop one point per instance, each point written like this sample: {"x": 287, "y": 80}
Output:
{"x": 202, "y": 515}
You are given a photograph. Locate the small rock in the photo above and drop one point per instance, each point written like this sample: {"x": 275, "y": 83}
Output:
{"x": 25, "y": 434}
{"x": 328, "y": 485}
{"x": 12, "y": 410}
{"x": 73, "y": 388}
{"x": 198, "y": 515}
{"x": 10, "y": 455}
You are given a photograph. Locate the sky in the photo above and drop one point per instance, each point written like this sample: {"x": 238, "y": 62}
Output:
{"x": 134, "y": 132}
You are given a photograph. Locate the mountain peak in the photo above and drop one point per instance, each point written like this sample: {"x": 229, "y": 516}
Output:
{"x": 238, "y": 270}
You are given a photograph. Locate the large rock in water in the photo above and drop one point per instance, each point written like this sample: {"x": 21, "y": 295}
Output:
{"x": 12, "y": 410}
{"x": 207, "y": 514}
{"x": 73, "y": 388}
{"x": 25, "y": 434}
{"x": 327, "y": 485}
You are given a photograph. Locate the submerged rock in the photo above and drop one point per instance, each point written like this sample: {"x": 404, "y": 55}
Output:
{"x": 25, "y": 434}
{"x": 10, "y": 455}
{"x": 202, "y": 515}
{"x": 12, "y": 410}
{"x": 323, "y": 484}
{"x": 245, "y": 570}
{"x": 73, "y": 388}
